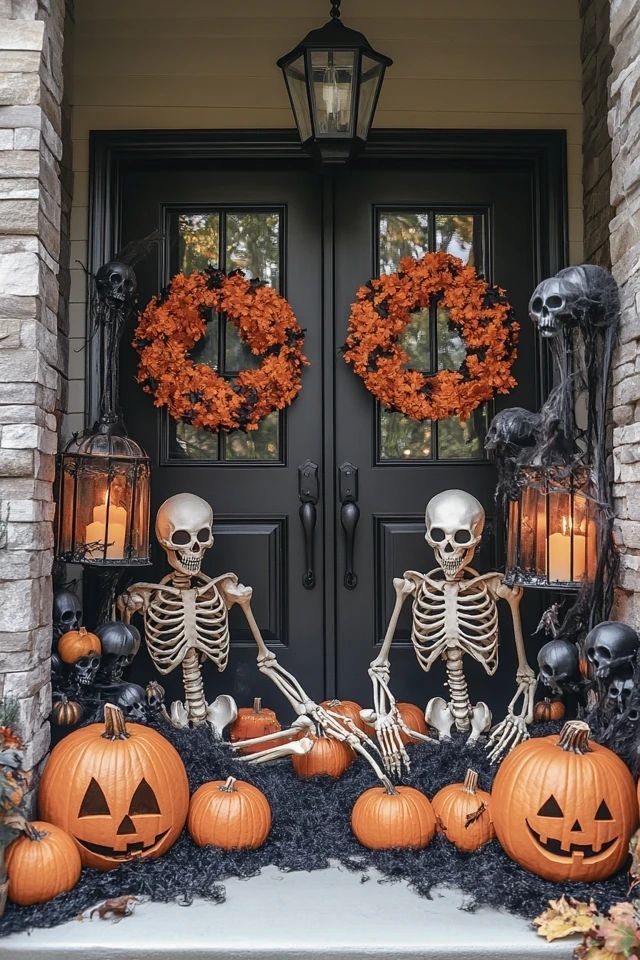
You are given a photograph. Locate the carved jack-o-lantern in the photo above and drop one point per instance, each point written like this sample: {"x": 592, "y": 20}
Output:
{"x": 120, "y": 791}
{"x": 564, "y": 808}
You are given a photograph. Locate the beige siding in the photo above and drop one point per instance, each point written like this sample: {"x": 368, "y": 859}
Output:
{"x": 207, "y": 64}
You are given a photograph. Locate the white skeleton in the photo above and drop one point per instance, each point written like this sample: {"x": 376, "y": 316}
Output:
{"x": 186, "y": 618}
{"x": 451, "y": 617}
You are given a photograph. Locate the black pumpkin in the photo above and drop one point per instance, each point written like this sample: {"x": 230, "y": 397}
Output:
{"x": 132, "y": 700}
{"x": 120, "y": 643}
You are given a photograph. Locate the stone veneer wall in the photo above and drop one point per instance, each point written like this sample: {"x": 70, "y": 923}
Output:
{"x": 31, "y": 354}
{"x": 624, "y": 127}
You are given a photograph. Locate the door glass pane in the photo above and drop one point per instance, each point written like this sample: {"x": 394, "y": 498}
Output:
{"x": 253, "y": 244}
{"x": 460, "y": 234}
{"x": 198, "y": 241}
{"x": 464, "y": 441}
{"x": 260, "y": 444}
{"x": 402, "y": 438}
{"x": 194, "y": 443}
{"x": 401, "y": 234}
{"x": 451, "y": 349}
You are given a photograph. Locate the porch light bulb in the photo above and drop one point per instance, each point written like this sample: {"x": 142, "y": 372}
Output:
{"x": 335, "y": 97}
{"x": 115, "y": 529}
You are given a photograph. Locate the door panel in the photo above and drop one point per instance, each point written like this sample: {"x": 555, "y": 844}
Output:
{"x": 267, "y": 223}
{"x": 485, "y": 217}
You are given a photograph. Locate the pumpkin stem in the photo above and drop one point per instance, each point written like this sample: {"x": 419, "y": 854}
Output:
{"x": 257, "y": 705}
{"x": 334, "y": 703}
{"x": 389, "y": 788}
{"x": 114, "y": 726}
{"x": 574, "y": 737}
{"x": 470, "y": 784}
{"x": 82, "y": 631}
{"x": 229, "y": 786}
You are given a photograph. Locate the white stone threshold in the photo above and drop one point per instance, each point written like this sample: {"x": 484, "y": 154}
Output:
{"x": 297, "y": 916}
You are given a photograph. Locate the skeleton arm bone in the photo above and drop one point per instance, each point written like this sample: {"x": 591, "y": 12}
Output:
{"x": 136, "y": 598}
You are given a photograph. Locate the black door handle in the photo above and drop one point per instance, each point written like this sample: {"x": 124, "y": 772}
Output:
{"x": 308, "y": 494}
{"x": 349, "y": 516}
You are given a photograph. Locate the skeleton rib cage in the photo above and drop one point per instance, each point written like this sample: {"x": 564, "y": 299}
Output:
{"x": 177, "y": 621}
{"x": 454, "y": 614}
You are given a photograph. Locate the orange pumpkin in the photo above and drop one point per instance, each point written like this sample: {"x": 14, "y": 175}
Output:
{"x": 120, "y": 791}
{"x": 43, "y": 865}
{"x": 78, "y": 643}
{"x": 564, "y": 808}
{"x": 413, "y": 716}
{"x": 346, "y": 708}
{"x": 384, "y": 818}
{"x": 65, "y": 712}
{"x": 462, "y": 812}
{"x": 327, "y": 757}
{"x": 230, "y": 814}
{"x": 255, "y": 721}
{"x": 547, "y": 710}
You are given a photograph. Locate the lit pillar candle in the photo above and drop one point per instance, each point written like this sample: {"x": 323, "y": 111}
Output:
{"x": 97, "y": 532}
{"x": 560, "y": 555}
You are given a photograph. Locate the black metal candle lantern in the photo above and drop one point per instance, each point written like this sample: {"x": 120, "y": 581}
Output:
{"x": 333, "y": 78}
{"x": 103, "y": 476}
{"x": 103, "y": 501}
{"x": 552, "y": 540}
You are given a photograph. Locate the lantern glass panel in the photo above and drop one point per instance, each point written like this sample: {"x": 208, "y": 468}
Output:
{"x": 370, "y": 81}
{"x": 332, "y": 83}
{"x": 140, "y": 513}
{"x": 294, "y": 74}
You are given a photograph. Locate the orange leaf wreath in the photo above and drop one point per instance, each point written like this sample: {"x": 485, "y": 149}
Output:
{"x": 195, "y": 393}
{"x": 479, "y": 311}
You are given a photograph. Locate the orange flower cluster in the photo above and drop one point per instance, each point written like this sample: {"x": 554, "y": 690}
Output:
{"x": 480, "y": 312}
{"x": 195, "y": 393}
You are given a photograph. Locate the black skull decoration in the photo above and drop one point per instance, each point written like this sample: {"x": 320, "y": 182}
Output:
{"x": 154, "y": 694}
{"x": 120, "y": 643}
{"x": 67, "y": 613}
{"x": 83, "y": 673}
{"x": 559, "y": 665}
{"x": 116, "y": 282}
{"x": 610, "y": 647}
{"x": 132, "y": 701}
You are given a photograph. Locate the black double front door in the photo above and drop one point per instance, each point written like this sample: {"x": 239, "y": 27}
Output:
{"x": 317, "y": 239}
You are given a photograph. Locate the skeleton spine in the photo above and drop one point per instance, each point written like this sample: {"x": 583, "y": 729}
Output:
{"x": 460, "y": 704}
{"x": 193, "y": 688}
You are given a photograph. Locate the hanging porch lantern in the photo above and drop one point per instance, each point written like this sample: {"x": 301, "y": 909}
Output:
{"x": 103, "y": 475}
{"x": 552, "y": 530}
{"x": 333, "y": 78}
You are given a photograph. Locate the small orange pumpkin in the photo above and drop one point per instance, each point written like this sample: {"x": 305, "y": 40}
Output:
{"x": 78, "y": 643}
{"x": 42, "y": 865}
{"x": 413, "y": 716}
{"x": 346, "y": 708}
{"x": 547, "y": 710}
{"x": 255, "y": 721}
{"x": 120, "y": 790}
{"x": 462, "y": 811}
{"x": 65, "y": 712}
{"x": 565, "y": 808}
{"x": 385, "y": 818}
{"x": 327, "y": 757}
{"x": 231, "y": 814}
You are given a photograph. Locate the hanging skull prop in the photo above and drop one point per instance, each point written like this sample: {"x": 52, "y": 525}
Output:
{"x": 67, "y": 613}
{"x": 84, "y": 671}
{"x": 454, "y": 521}
{"x": 120, "y": 643}
{"x": 574, "y": 297}
{"x": 184, "y": 528}
{"x": 559, "y": 665}
{"x": 132, "y": 701}
{"x": 610, "y": 646}
{"x": 116, "y": 282}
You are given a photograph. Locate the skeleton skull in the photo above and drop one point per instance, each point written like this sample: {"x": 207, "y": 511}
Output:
{"x": 559, "y": 664}
{"x": 576, "y": 295}
{"x": 184, "y": 530}
{"x": 67, "y": 613}
{"x": 85, "y": 670}
{"x": 116, "y": 281}
{"x": 455, "y": 521}
{"x": 611, "y": 645}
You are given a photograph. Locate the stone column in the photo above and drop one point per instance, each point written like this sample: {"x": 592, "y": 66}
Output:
{"x": 624, "y": 127}
{"x": 31, "y": 44}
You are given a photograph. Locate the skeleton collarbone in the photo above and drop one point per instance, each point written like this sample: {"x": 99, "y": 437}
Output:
{"x": 452, "y": 615}
{"x": 179, "y": 619}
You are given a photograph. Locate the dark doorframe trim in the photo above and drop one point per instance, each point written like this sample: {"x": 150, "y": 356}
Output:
{"x": 543, "y": 152}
